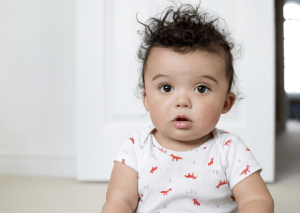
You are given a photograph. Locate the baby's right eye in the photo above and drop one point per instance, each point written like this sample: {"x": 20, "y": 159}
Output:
{"x": 166, "y": 88}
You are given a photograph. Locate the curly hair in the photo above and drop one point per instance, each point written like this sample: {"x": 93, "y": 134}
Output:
{"x": 184, "y": 29}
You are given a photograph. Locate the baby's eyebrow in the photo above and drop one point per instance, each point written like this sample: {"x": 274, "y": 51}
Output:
{"x": 204, "y": 76}
{"x": 158, "y": 76}
{"x": 209, "y": 77}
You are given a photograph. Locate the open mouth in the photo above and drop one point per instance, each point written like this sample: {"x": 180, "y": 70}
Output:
{"x": 181, "y": 119}
{"x": 181, "y": 122}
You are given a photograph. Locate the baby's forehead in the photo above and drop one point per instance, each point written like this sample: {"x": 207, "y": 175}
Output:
{"x": 186, "y": 52}
{"x": 167, "y": 60}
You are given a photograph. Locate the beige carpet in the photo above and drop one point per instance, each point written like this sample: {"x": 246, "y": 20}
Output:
{"x": 26, "y": 194}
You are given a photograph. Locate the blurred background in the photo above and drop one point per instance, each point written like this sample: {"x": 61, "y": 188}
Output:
{"x": 67, "y": 67}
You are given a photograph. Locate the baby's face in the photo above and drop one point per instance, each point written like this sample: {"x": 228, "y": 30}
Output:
{"x": 193, "y": 85}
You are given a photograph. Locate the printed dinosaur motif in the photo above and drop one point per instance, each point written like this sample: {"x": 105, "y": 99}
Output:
{"x": 211, "y": 162}
{"x": 153, "y": 169}
{"x": 132, "y": 140}
{"x": 175, "y": 157}
{"x": 190, "y": 176}
{"x": 245, "y": 170}
{"x": 196, "y": 202}
{"x": 166, "y": 192}
{"x": 162, "y": 150}
{"x": 228, "y": 142}
{"x": 221, "y": 183}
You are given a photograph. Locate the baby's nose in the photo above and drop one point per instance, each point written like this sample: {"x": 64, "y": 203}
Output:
{"x": 184, "y": 102}
{"x": 182, "y": 105}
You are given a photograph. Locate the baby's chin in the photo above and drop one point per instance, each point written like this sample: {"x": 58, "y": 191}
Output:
{"x": 188, "y": 138}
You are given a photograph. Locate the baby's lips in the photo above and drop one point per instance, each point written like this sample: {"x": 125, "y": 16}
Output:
{"x": 181, "y": 124}
{"x": 181, "y": 116}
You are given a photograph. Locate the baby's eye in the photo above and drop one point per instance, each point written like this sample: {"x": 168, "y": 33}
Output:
{"x": 202, "y": 89}
{"x": 166, "y": 88}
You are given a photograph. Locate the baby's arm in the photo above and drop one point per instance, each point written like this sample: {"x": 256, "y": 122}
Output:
{"x": 252, "y": 195}
{"x": 122, "y": 193}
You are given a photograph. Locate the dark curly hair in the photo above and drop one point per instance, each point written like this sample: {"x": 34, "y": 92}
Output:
{"x": 184, "y": 29}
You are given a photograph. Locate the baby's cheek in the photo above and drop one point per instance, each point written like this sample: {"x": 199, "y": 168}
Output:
{"x": 158, "y": 110}
{"x": 212, "y": 115}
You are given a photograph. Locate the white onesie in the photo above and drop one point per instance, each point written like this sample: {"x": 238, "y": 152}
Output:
{"x": 198, "y": 180}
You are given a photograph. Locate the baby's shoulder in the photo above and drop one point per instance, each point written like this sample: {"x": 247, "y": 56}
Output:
{"x": 227, "y": 138}
{"x": 140, "y": 136}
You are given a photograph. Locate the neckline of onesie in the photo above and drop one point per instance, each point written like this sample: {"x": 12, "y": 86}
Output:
{"x": 192, "y": 151}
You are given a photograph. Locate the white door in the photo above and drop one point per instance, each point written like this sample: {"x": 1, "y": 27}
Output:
{"x": 107, "y": 72}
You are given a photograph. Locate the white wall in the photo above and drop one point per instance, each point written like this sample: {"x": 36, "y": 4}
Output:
{"x": 37, "y": 87}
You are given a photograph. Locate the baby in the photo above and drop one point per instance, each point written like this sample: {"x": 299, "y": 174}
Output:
{"x": 183, "y": 163}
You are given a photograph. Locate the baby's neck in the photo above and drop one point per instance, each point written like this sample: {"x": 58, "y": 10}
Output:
{"x": 180, "y": 146}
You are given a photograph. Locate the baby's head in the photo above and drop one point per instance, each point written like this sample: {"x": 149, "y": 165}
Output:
{"x": 187, "y": 70}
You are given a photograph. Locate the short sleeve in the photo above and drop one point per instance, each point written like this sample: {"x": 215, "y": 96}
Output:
{"x": 128, "y": 152}
{"x": 238, "y": 160}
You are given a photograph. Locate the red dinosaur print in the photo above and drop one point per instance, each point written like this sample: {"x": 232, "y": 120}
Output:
{"x": 166, "y": 192}
{"x": 142, "y": 197}
{"x": 245, "y": 170}
{"x": 123, "y": 161}
{"x": 224, "y": 132}
{"x": 228, "y": 142}
{"x": 175, "y": 157}
{"x": 132, "y": 140}
{"x": 154, "y": 145}
{"x": 247, "y": 149}
{"x": 162, "y": 150}
{"x": 204, "y": 148}
{"x": 211, "y": 162}
{"x": 153, "y": 169}
{"x": 233, "y": 198}
{"x": 196, "y": 202}
{"x": 190, "y": 176}
{"x": 221, "y": 183}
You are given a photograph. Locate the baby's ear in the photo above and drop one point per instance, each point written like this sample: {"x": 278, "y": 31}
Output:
{"x": 145, "y": 100}
{"x": 229, "y": 101}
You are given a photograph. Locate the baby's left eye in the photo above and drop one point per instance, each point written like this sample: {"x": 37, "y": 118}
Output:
{"x": 202, "y": 89}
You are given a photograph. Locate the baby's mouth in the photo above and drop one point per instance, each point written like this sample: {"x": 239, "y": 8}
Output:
{"x": 181, "y": 119}
{"x": 181, "y": 122}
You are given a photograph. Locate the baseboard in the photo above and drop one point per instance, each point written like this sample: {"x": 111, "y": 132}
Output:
{"x": 38, "y": 164}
